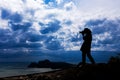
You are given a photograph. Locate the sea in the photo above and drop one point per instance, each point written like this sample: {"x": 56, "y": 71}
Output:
{"x": 8, "y": 69}
{"x": 20, "y": 68}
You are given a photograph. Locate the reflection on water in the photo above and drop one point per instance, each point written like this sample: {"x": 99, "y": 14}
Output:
{"x": 14, "y": 69}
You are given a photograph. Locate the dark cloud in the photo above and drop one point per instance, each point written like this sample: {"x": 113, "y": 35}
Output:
{"x": 23, "y": 36}
{"x": 20, "y": 32}
{"x": 41, "y": 24}
{"x": 75, "y": 38}
{"x": 95, "y": 22}
{"x": 5, "y": 14}
{"x": 12, "y": 44}
{"x": 103, "y": 26}
{"x": 49, "y": 38}
{"x": 18, "y": 37}
{"x": 51, "y": 27}
{"x": 35, "y": 37}
{"x": 24, "y": 26}
{"x": 57, "y": 4}
{"x": 52, "y": 43}
{"x": 14, "y": 17}
{"x": 27, "y": 45}
{"x": 6, "y": 45}
{"x": 106, "y": 26}
{"x": 48, "y": 1}
{"x": 5, "y": 36}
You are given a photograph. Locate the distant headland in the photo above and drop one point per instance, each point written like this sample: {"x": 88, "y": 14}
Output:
{"x": 48, "y": 64}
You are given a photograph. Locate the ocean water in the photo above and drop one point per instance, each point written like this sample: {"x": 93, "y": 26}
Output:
{"x": 20, "y": 68}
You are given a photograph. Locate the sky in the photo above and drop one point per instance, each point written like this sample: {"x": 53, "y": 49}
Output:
{"x": 54, "y": 25}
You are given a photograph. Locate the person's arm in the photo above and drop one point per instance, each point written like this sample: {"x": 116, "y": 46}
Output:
{"x": 83, "y": 34}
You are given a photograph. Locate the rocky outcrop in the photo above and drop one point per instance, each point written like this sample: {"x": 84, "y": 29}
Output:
{"x": 49, "y": 64}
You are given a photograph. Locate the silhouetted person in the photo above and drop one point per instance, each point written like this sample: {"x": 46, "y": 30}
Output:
{"x": 86, "y": 46}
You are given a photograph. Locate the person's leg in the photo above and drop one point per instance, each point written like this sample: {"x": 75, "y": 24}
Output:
{"x": 90, "y": 58}
{"x": 83, "y": 57}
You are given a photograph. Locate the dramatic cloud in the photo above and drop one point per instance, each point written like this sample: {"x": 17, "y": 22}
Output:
{"x": 105, "y": 33}
{"x": 54, "y": 25}
{"x": 51, "y": 27}
{"x": 5, "y": 14}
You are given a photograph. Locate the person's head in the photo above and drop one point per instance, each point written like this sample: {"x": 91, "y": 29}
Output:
{"x": 87, "y": 31}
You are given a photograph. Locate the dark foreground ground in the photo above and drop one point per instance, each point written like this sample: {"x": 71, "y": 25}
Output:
{"x": 99, "y": 71}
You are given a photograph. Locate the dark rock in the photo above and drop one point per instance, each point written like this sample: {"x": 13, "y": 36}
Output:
{"x": 49, "y": 64}
{"x": 33, "y": 65}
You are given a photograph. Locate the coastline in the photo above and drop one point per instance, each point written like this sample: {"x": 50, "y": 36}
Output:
{"x": 99, "y": 71}
{"x": 29, "y": 76}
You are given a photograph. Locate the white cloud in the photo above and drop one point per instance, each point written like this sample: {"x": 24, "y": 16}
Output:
{"x": 13, "y": 5}
{"x": 77, "y": 11}
{"x": 4, "y": 24}
{"x": 109, "y": 8}
{"x": 103, "y": 36}
{"x": 59, "y": 1}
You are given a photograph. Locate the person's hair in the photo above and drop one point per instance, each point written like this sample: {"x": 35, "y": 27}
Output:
{"x": 88, "y": 31}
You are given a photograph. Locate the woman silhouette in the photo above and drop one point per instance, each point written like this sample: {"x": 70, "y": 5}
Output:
{"x": 86, "y": 46}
